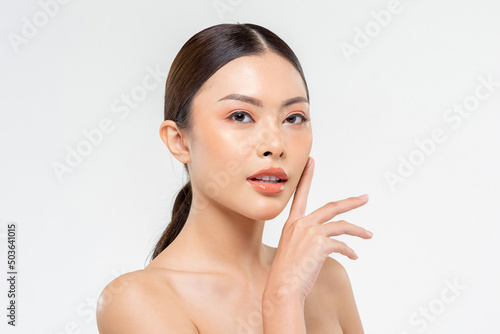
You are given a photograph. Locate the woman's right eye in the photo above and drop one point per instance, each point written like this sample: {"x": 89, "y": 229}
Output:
{"x": 239, "y": 116}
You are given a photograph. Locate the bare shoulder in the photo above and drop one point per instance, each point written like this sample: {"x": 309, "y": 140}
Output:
{"x": 335, "y": 289}
{"x": 136, "y": 302}
{"x": 335, "y": 274}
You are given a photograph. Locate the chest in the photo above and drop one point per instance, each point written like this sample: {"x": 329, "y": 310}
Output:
{"x": 243, "y": 314}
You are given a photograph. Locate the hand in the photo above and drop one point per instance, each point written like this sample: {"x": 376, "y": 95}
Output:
{"x": 305, "y": 240}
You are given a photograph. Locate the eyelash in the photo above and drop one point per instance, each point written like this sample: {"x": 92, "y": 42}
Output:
{"x": 303, "y": 117}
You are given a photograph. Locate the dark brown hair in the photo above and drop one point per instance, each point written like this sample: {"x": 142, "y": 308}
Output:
{"x": 198, "y": 59}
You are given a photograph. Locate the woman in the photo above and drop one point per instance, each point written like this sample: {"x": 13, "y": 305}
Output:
{"x": 237, "y": 116}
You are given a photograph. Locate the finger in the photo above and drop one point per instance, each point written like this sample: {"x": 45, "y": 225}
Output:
{"x": 331, "y": 209}
{"x": 299, "y": 203}
{"x": 340, "y": 227}
{"x": 336, "y": 246}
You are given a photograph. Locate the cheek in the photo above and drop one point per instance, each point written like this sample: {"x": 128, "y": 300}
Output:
{"x": 232, "y": 145}
{"x": 299, "y": 148}
{"x": 217, "y": 156}
{"x": 300, "y": 142}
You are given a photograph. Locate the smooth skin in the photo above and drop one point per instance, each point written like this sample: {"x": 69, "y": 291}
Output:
{"x": 217, "y": 276}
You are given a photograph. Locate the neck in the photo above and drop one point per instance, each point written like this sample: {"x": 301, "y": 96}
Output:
{"x": 220, "y": 240}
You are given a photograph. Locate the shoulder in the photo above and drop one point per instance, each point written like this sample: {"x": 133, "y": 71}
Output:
{"x": 136, "y": 303}
{"x": 333, "y": 284}
{"x": 335, "y": 289}
{"x": 335, "y": 274}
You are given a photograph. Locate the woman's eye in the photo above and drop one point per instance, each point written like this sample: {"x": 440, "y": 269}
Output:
{"x": 239, "y": 116}
{"x": 294, "y": 117}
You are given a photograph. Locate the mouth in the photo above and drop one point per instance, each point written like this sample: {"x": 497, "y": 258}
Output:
{"x": 269, "y": 180}
{"x": 270, "y": 175}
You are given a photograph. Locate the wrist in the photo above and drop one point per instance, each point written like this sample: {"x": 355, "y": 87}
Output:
{"x": 283, "y": 286}
{"x": 282, "y": 311}
{"x": 281, "y": 296}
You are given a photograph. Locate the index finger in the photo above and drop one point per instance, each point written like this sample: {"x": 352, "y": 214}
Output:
{"x": 299, "y": 203}
{"x": 332, "y": 209}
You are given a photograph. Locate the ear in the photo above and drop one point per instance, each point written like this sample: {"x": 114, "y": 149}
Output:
{"x": 175, "y": 141}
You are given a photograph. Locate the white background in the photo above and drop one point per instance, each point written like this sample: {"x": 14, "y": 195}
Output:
{"x": 439, "y": 223}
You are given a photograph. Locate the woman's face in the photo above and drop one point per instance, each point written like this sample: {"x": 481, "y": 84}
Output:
{"x": 234, "y": 138}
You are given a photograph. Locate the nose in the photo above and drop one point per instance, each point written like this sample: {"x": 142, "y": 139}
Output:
{"x": 271, "y": 143}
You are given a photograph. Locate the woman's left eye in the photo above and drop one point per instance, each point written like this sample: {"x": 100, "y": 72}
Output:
{"x": 300, "y": 116}
{"x": 239, "y": 116}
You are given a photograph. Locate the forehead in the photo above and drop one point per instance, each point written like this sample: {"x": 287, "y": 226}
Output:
{"x": 268, "y": 77}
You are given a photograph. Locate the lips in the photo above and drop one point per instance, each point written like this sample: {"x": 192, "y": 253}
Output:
{"x": 270, "y": 173}
{"x": 270, "y": 180}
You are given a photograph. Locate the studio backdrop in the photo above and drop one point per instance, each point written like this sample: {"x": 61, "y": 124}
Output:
{"x": 405, "y": 106}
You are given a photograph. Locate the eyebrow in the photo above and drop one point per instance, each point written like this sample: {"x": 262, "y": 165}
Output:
{"x": 258, "y": 103}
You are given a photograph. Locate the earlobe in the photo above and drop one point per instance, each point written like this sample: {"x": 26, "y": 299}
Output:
{"x": 173, "y": 138}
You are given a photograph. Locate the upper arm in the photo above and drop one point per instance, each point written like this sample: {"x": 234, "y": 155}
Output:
{"x": 127, "y": 306}
{"x": 343, "y": 298}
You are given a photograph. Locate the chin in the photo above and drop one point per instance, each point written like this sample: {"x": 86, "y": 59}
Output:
{"x": 265, "y": 210}
{"x": 266, "y": 216}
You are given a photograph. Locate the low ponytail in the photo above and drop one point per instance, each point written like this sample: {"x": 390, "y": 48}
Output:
{"x": 198, "y": 59}
{"x": 180, "y": 212}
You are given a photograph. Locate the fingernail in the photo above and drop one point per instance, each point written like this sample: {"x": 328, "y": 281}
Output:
{"x": 309, "y": 162}
{"x": 365, "y": 196}
{"x": 370, "y": 233}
